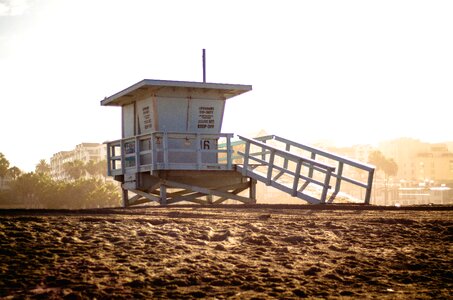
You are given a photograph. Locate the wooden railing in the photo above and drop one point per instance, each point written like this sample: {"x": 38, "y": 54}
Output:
{"x": 275, "y": 163}
{"x": 281, "y": 158}
{"x": 169, "y": 151}
{"x": 341, "y": 164}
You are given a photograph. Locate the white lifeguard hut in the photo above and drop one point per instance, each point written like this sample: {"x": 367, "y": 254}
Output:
{"x": 169, "y": 151}
{"x": 172, "y": 150}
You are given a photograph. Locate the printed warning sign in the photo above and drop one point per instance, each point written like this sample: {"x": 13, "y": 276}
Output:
{"x": 206, "y": 117}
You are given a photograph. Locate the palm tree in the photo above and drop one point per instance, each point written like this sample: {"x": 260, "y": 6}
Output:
{"x": 90, "y": 167}
{"x": 387, "y": 165}
{"x": 42, "y": 167}
{"x": 14, "y": 172}
{"x": 75, "y": 169}
{"x": 97, "y": 169}
{"x": 4, "y": 165}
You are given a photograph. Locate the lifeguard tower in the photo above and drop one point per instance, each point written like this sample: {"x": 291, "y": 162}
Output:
{"x": 172, "y": 150}
{"x": 170, "y": 139}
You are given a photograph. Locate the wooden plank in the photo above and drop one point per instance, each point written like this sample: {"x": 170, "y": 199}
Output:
{"x": 236, "y": 191}
{"x": 205, "y": 191}
{"x": 163, "y": 194}
{"x": 195, "y": 200}
{"x": 189, "y": 197}
{"x": 296, "y": 178}
{"x": 282, "y": 187}
{"x": 345, "y": 160}
{"x": 368, "y": 188}
{"x": 229, "y": 153}
{"x": 325, "y": 187}
{"x": 177, "y": 194}
{"x": 286, "y": 154}
{"x": 165, "y": 149}
{"x": 146, "y": 195}
{"x": 270, "y": 167}
{"x": 246, "y": 158}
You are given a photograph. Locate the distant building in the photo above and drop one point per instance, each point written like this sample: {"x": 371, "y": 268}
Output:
{"x": 56, "y": 164}
{"x": 436, "y": 164}
{"x": 362, "y": 152}
{"x": 418, "y": 161}
{"x": 83, "y": 152}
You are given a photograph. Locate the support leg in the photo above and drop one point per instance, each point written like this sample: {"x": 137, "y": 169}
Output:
{"x": 252, "y": 190}
{"x": 125, "y": 197}
{"x": 163, "y": 195}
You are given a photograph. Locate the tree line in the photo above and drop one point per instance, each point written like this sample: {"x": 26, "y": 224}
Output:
{"x": 84, "y": 186}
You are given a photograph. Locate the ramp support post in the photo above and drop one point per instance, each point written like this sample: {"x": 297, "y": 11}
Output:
{"x": 252, "y": 190}
{"x": 125, "y": 197}
{"x": 369, "y": 185}
{"x": 325, "y": 186}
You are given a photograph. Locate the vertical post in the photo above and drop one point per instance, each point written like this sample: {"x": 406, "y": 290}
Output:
{"x": 165, "y": 149}
{"x": 198, "y": 142}
{"x": 252, "y": 190}
{"x": 339, "y": 177}
{"x": 137, "y": 154}
{"x": 246, "y": 157}
{"x": 310, "y": 172}
{"x": 270, "y": 167}
{"x": 109, "y": 162}
{"x": 125, "y": 197}
{"x": 326, "y": 186}
{"x": 153, "y": 151}
{"x": 123, "y": 162}
{"x": 163, "y": 194}
{"x": 296, "y": 177}
{"x": 369, "y": 186}
{"x": 204, "y": 65}
{"x": 285, "y": 163}
{"x": 229, "y": 153}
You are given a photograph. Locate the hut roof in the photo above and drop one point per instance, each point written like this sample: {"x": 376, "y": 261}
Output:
{"x": 125, "y": 96}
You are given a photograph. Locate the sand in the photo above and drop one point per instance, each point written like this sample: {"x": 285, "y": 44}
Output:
{"x": 267, "y": 252}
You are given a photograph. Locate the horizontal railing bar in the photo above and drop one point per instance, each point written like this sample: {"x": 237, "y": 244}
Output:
{"x": 260, "y": 153}
{"x": 286, "y": 154}
{"x": 286, "y": 171}
{"x": 194, "y": 150}
{"x": 176, "y": 135}
{"x": 262, "y": 162}
{"x": 342, "y": 159}
{"x": 145, "y": 152}
{"x": 350, "y": 180}
{"x": 189, "y": 166}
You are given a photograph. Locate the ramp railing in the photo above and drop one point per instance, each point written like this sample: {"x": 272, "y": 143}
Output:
{"x": 274, "y": 166}
{"x": 363, "y": 172}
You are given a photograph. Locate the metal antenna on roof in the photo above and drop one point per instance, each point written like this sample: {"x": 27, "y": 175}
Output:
{"x": 204, "y": 65}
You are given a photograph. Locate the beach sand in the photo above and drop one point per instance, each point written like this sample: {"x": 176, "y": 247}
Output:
{"x": 229, "y": 252}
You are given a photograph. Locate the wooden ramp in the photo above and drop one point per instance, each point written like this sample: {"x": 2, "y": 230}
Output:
{"x": 284, "y": 165}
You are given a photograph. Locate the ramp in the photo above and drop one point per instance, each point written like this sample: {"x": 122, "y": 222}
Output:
{"x": 305, "y": 172}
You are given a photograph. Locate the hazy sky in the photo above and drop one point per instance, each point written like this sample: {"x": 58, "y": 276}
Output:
{"x": 345, "y": 71}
